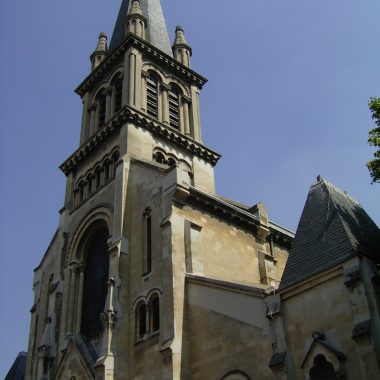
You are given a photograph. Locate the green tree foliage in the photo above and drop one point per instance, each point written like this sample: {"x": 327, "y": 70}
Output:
{"x": 374, "y": 140}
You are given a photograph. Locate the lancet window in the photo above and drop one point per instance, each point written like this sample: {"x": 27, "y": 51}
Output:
{"x": 95, "y": 282}
{"x": 154, "y": 307}
{"x": 118, "y": 91}
{"x": 147, "y": 241}
{"x": 152, "y": 96}
{"x": 174, "y": 118}
{"x": 147, "y": 317}
{"x": 102, "y": 101}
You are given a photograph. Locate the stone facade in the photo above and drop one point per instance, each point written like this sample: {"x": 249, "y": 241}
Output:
{"x": 193, "y": 286}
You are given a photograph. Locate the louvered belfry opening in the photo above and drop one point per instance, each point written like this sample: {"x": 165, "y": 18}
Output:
{"x": 102, "y": 109}
{"x": 118, "y": 93}
{"x": 152, "y": 97}
{"x": 174, "y": 108}
{"x": 95, "y": 283}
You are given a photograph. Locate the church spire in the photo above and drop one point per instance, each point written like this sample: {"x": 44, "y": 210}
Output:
{"x": 100, "y": 52}
{"x": 181, "y": 49}
{"x": 156, "y": 31}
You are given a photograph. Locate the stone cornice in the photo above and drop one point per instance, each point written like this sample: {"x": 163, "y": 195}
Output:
{"x": 128, "y": 114}
{"x": 257, "y": 290}
{"x": 237, "y": 216}
{"x": 152, "y": 52}
{"x": 223, "y": 210}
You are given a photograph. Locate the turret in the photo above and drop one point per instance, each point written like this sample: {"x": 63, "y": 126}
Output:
{"x": 135, "y": 21}
{"x": 100, "y": 52}
{"x": 181, "y": 49}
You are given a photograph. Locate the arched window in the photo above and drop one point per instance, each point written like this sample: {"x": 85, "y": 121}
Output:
{"x": 95, "y": 282}
{"x": 174, "y": 108}
{"x": 82, "y": 188}
{"x": 159, "y": 157}
{"x": 90, "y": 188}
{"x": 101, "y": 100}
{"x": 152, "y": 96}
{"x": 106, "y": 171}
{"x": 98, "y": 177}
{"x": 115, "y": 158}
{"x": 322, "y": 369}
{"x": 235, "y": 375}
{"x": 147, "y": 264}
{"x": 118, "y": 93}
{"x": 154, "y": 307}
{"x": 171, "y": 162}
{"x": 141, "y": 321}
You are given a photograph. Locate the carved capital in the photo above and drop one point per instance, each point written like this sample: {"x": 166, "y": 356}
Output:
{"x": 186, "y": 99}
{"x": 144, "y": 74}
{"x": 165, "y": 87}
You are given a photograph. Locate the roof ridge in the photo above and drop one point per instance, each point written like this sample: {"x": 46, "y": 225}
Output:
{"x": 343, "y": 192}
{"x": 353, "y": 241}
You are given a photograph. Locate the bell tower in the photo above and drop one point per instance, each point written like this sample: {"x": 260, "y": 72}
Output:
{"x": 104, "y": 291}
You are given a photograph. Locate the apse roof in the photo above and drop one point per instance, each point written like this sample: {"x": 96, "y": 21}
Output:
{"x": 333, "y": 227}
{"x": 156, "y": 32}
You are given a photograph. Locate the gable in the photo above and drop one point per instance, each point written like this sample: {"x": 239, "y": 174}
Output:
{"x": 78, "y": 361}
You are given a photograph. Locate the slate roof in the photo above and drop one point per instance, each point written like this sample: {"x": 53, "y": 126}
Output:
{"x": 156, "y": 32}
{"x": 17, "y": 371}
{"x": 333, "y": 227}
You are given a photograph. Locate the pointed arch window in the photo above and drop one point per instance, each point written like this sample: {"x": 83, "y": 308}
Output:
{"x": 152, "y": 96}
{"x": 174, "y": 108}
{"x": 95, "y": 283}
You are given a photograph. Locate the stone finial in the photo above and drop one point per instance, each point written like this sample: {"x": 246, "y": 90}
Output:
{"x": 136, "y": 21}
{"x": 180, "y": 38}
{"x": 135, "y": 8}
{"x": 100, "y": 52}
{"x": 181, "y": 49}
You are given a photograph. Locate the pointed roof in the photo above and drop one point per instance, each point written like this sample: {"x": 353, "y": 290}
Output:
{"x": 17, "y": 371}
{"x": 156, "y": 32}
{"x": 333, "y": 227}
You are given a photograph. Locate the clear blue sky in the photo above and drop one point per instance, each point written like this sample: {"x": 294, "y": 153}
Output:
{"x": 289, "y": 83}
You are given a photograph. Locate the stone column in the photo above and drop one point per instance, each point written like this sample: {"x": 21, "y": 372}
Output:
{"x": 186, "y": 116}
{"x": 108, "y": 103}
{"x": 165, "y": 103}
{"x": 72, "y": 299}
{"x": 144, "y": 99}
{"x": 92, "y": 111}
{"x": 132, "y": 82}
{"x": 80, "y": 299}
{"x": 85, "y": 122}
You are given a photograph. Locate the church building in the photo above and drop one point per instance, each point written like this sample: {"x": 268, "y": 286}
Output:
{"x": 151, "y": 275}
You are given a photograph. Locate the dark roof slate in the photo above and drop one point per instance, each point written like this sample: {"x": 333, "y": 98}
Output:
{"x": 156, "y": 32}
{"x": 333, "y": 227}
{"x": 17, "y": 371}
